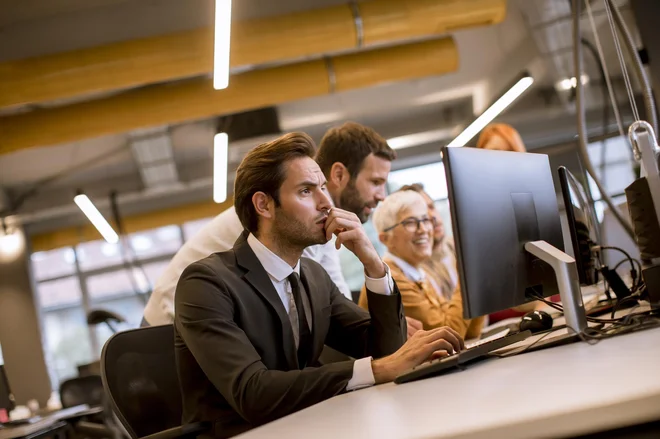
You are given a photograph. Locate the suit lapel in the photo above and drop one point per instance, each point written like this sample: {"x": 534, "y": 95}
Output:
{"x": 317, "y": 339}
{"x": 257, "y": 277}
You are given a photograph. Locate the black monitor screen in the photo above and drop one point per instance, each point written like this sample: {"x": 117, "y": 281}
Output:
{"x": 499, "y": 201}
{"x": 580, "y": 225}
{"x": 6, "y": 397}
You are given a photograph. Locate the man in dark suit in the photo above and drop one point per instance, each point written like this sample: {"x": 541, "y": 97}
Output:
{"x": 250, "y": 323}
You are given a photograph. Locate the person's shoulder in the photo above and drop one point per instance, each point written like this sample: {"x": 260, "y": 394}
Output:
{"x": 216, "y": 263}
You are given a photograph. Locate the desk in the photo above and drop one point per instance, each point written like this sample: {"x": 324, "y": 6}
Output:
{"x": 50, "y": 424}
{"x": 566, "y": 390}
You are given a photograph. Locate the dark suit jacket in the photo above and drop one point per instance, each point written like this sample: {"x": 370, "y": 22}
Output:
{"x": 234, "y": 343}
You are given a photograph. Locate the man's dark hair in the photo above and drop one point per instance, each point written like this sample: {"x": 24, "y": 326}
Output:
{"x": 263, "y": 170}
{"x": 349, "y": 145}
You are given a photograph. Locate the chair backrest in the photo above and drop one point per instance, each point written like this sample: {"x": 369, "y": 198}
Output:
{"x": 139, "y": 374}
{"x": 82, "y": 390}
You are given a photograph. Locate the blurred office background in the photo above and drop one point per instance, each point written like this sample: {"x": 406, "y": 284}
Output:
{"x": 141, "y": 121}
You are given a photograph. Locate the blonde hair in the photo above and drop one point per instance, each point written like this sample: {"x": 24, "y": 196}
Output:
{"x": 386, "y": 214}
{"x": 507, "y": 133}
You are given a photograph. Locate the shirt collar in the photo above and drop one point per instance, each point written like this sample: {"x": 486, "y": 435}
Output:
{"x": 409, "y": 271}
{"x": 275, "y": 266}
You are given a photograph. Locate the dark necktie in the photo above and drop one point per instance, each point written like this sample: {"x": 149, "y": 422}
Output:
{"x": 305, "y": 336}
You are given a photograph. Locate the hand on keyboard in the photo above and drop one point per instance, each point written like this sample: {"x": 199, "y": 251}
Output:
{"x": 422, "y": 346}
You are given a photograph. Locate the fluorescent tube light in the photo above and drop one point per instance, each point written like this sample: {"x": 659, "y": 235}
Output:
{"x": 95, "y": 217}
{"x": 492, "y": 112}
{"x": 221, "y": 46}
{"x": 422, "y": 138}
{"x": 220, "y": 143}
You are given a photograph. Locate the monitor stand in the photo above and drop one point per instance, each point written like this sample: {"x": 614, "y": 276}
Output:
{"x": 567, "y": 280}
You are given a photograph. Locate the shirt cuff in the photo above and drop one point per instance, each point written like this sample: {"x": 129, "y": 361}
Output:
{"x": 383, "y": 285}
{"x": 363, "y": 375}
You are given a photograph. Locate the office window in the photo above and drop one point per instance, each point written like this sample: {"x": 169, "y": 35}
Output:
{"x": 192, "y": 227}
{"x": 156, "y": 242}
{"x": 68, "y": 292}
{"x": 53, "y": 263}
{"x": 59, "y": 293}
{"x": 614, "y": 164}
{"x": 98, "y": 254}
{"x": 66, "y": 337}
{"x": 432, "y": 176}
{"x": 615, "y": 167}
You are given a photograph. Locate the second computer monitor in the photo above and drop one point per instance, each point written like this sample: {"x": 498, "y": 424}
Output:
{"x": 499, "y": 201}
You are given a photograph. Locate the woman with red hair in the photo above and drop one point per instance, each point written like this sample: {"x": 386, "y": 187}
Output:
{"x": 501, "y": 137}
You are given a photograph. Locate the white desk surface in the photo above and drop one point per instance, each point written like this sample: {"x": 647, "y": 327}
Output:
{"x": 566, "y": 390}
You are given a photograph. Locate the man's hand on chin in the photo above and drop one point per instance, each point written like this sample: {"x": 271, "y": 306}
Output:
{"x": 346, "y": 226}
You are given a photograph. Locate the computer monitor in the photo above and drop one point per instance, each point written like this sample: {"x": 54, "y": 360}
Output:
{"x": 581, "y": 226}
{"x": 499, "y": 202}
{"x": 6, "y": 397}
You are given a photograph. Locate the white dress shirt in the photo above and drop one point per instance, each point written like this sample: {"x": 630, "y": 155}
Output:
{"x": 278, "y": 271}
{"x": 217, "y": 236}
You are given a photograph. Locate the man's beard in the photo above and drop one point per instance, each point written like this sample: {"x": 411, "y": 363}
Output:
{"x": 351, "y": 200}
{"x": 292, "y": 233}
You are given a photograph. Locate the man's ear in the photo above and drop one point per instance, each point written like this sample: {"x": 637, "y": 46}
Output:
{"x": 339, "y": 175}
{"x": 263, "y": 204}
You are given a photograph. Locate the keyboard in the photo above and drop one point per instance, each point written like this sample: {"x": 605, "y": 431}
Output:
{"x": 477, "y": 351}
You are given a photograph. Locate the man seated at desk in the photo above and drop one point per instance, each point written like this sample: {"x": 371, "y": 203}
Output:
{"x": 405, "y": 227}
{"x": 250, "y": 322}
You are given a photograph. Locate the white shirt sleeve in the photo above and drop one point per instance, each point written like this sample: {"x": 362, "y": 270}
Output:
{"x": 328, "y": 257}
{"x": 383, "y": 285}
{"x": 217, "y": 236}
{"x": 363, "y": 375}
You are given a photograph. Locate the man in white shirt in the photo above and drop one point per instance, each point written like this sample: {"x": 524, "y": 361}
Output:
{"x": 250, "y": 323}
{"x": 356, "y": 162}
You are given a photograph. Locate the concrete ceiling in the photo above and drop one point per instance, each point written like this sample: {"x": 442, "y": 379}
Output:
{"x": 532, "y": 38}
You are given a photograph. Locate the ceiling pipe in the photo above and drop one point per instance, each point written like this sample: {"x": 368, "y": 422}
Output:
{"x": 196, "y": 99}
{"x": 164, "y": 58}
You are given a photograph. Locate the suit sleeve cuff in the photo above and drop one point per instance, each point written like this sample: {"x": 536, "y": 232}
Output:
{"x": 383, "y": 285}
{"x": 363, "y": 375}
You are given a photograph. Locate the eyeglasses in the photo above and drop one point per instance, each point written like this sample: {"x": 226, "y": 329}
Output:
{"x": 412, "y": 224}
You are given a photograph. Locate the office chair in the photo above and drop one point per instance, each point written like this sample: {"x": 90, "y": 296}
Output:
{"x": 89, "y": 390}
{"x": 140, "y": 378}
{"x": 98, "y": 316}
{"x": 82, "y": 390}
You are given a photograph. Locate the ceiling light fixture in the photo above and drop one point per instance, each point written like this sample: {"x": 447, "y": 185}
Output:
{"x": 492, "y": 112}
{"x": 95, "y": 217}
{"x": 422, "y": 138}
{"x": 221, "y": 44}
{"x": 569, "y": 83}
{"x": 220, "y": 146}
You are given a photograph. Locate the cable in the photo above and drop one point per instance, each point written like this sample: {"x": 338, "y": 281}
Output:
{"x": 606, "y": 113}
{"x": 124, "y": 244}
{"x": 561, "y": 308}
{"x": 581, "y": 116}
{"x": 622, "y": 62}
{"x": 630, "y": 259}
{"x": 603, "y": 65}
{"x": 647, "y": 93}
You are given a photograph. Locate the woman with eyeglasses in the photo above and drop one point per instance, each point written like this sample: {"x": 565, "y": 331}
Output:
{"x": 406, "y": 229}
